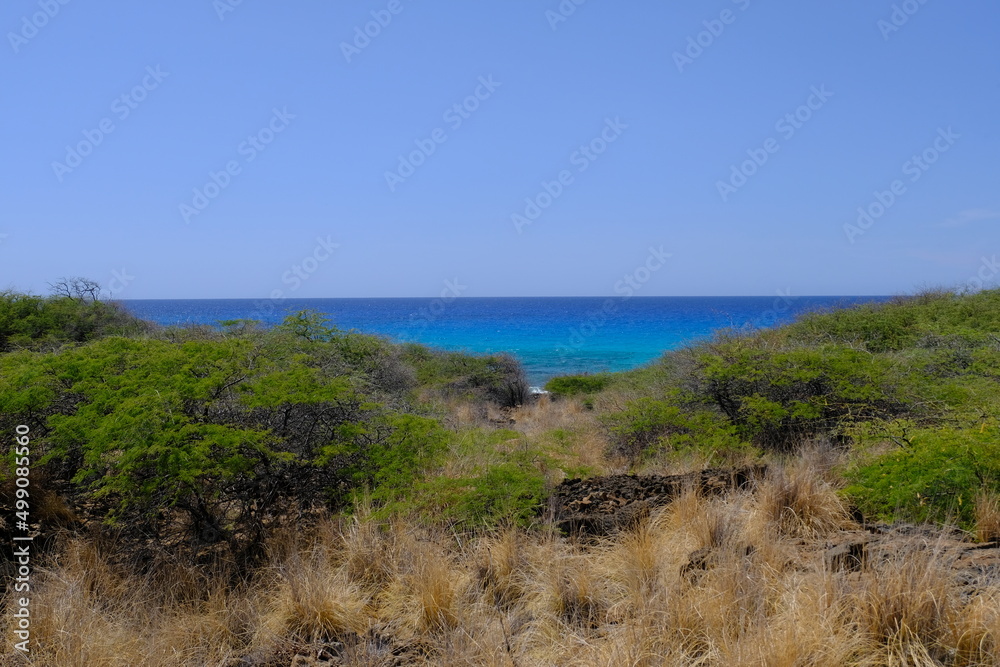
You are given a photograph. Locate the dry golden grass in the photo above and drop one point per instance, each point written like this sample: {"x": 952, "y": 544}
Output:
{"x": 988, "y": 517}
{"x": 315, "y": 601}
{"x": 756, "y": 594}
{"x": 585, "y": 445}
{"x": 797, "y": 500}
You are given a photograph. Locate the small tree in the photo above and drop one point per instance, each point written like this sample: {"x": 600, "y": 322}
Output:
{"x": 310, "y": 325}
{"x": 508, "y": 385}
{"x": 77, "y": 289}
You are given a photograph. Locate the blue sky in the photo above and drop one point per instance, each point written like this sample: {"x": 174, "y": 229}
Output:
{"x": 258, "y": 146}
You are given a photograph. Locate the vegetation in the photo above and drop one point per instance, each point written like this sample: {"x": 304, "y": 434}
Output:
{"x": 906, "y": 387}
{"x": 196, "y": 441}
{"x": 936, "y": 475}
{"x": 303, "y": 491}
{"x": 32, "y": 322}
{"x": 496, "y": 378}
{"x": 574, "y": 385}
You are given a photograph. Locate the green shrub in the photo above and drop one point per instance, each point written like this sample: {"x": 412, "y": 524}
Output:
{"x": 391, "y": 467}
{"x": 510, "y": 492}
{"x": 906, "y": 321}
{"x": 497, "y": 378}
{"x": 776, "y": 398}
{"x": 210, "y": 440}
{"x": 934, "y": 475}
{"x": 649, "y": 426}
{"x": 573, "y": 385}
{"x": 34, "y": 322}
{"x": 504, "y": 494}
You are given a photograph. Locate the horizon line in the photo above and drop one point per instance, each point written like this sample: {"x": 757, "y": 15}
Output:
{"x": 458, "y": 298}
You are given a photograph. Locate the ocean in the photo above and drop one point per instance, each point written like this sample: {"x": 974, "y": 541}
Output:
{"x": 550, "y": 335}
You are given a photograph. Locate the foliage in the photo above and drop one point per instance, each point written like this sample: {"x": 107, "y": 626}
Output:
{"x": 227, "y": 435}
{"x": 905, "y": 321}
{"x": 929, "y": 359}
{"x": 934, "y": 474}
{"x": 573, "y": 385}
{"x": 210, "y": 437}
{"x": 647, "y": 426}
{"x": 502, "y": 494}
{"x": 390, "y": 468}
{"x": 496, "y": 378}
{"x": 777, "y": 398}
{"x": 33, "y": 322}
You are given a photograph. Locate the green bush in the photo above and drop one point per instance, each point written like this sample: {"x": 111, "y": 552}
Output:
{"x": 649, "y": 426}
{"x": 573, "y": 385}
{"x": 497, "y": 378}
{"x": 34, "y": 322}
{"x": 905, "y": 321}
{"x": 209, "y": 441}
{"x": 510, "y": 492}
{"x": 930, "y": 358}
{"x": 776, "y": 398}
{"x": 934, "y": 475}
{"x": 503, "y": 494}
{"x": 391, "y": 467}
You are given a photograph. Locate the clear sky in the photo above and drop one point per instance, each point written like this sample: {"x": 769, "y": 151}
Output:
{"x": 233, "y": 148}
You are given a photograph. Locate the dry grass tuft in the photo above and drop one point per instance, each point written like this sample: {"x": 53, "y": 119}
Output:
{"x": 425, "y": 595}
{"x": 988, "y": 517}
{"x": 88, "y": 611}
{"x": 501, "y": 568}
{"x": 368, "y": 548}
{"x": 315, "y": 601}
{"x": 907, "y": 604}
{"x": 797, "y": 500}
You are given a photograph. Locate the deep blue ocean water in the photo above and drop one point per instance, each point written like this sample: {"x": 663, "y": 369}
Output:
{"x": 550, "y": 335}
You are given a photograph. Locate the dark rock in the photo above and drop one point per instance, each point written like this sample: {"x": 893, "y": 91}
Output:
{"x": 602, "y": 505}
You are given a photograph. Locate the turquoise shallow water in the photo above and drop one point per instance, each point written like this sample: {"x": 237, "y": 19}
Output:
{"x": 550, "y": 335}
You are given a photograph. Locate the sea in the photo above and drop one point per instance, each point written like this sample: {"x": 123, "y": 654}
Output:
{"x": 550, "y": 335}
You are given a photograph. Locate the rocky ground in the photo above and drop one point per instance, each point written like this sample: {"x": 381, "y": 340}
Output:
{"x": 602, "y": 506}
